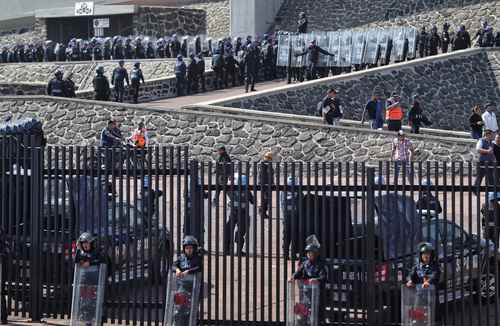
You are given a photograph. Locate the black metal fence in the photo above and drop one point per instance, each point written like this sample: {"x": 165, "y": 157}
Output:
{"x": 252, "y": 220}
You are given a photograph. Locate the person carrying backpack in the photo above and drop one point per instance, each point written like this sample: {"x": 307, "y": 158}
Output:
{"x": 135, "y": 77}
{"x": 331, "y": 110}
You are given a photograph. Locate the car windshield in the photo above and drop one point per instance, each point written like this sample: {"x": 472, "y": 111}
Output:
{"x": 446, "y": 234}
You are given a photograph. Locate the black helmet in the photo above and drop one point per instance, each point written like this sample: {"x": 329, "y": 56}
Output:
{"x": 426, "y": 247}
{"x": 312, "y": 247}
{"x": 86, "y": 237}
{"x": 189, "y": 240}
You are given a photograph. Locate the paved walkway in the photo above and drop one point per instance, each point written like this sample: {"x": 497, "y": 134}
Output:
{"x": 178, "y": 102}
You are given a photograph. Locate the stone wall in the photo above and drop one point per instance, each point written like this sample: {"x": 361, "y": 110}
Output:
{"x": 218, "y": 16}
{"x": 78, "y": 122}
{"x": 449, "y": 86}
{"x": 22, "y": 89}
{"x": 332, "y": 15}
{"x": 162, "y": 21}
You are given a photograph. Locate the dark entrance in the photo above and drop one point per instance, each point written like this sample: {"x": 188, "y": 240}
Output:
{"x": 65, "y": 28}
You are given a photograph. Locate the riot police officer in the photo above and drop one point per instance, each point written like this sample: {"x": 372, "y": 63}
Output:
{"x": 192, "y": 75}
{"x": 4, "y": 55}
{"x": 189, "y": 262}
{"x": 491, "y": 218}
{"x": 49, "y": 54}
{"x": 87, "y": 253}
{"x": 180, "y": 75}
{"x": 118, "y": 79}
{"x": 462, "y": 39}
{"x": 201, "y": 72}
{"x": 434, "y": 41}
{"x": 107, "y": 49}
{"x": 175, "y": 46}
{"x": 4, "y": 255}
{"x": 56, "y": 85}
{"x": 118, "y": 48}
{"x": 229, "y": 64}
{"x": 422, "y": 43}
{"x": 250, "y": 66}
{"x": 268, "y": 56}
{"x": 314, "y": 51}
{"x": 101, "y": 85}
{"x": 193, "y": 221}
{"x": 136, "y": 76}
{"x": 128, "y": 51}
{"x": 160, "y": 48}
{"x": 445, "y": 38}
{"x": 150, "y": 50}
{"x": 289, "y": 202}
{"x": 218, "y": 68}
{"x": 139, "y": 49}
{"x": 240, "y": 200}
{"x": 302, "y": 23}
{"x": 96, "y": 50}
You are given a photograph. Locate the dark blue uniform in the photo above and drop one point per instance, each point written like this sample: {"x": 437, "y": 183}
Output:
{"x": 191, "y": 264}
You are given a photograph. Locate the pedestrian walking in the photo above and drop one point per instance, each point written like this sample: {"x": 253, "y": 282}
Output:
{"x": 331, "y": 109}
{"x": 136, "y": 76}
{"x": 101, "y": 85}
{"x": 402, "y": 156}
{"x": 484, "y": 148}
{"x": 223, "y": 171}
{"x": 416, "y": 116}
{"x": 266, "y": 180}
{"x": 394, "y": 113}
{"x": 118, "y": 79}
{"x": 180, "y": 75}
{"x": 490, "y": 118}
{"x": 476, "y": 122}
{"x": 374, "y": 109}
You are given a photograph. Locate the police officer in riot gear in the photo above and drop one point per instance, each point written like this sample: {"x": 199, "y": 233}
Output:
{"x": 434, "y": 41}
{"x": 462, "y": 39}
{"x": 485, "y": 36}
{"x": 302, "y": 23}
{"x": 250, "y": 66}
{"x": 118, "y": 53}
{"x": 87, "y": 253}
{"x": 136, "y": 76}
{"x": 218, "y": 68}
{"x": 189, "y": 262}
{"x": 5, "y": 253}
{"x": 4, "y": 55}
{"x": 140, "y": 53}
{"x": 289, "y": 202}
{"x": 445, "y": 38}
{"x": 106, "y": 52}
{"x": 150, "y": 50}
{"x": 314, "y": 51}
{"x": 49, "y": 51}
{"x": 180, "y": 75}
{"x": 128, "y": 51}
{"x": 160, "y": 48}
{"x": 195, "y": 195}
{"x": 491, "y": 218}
{"x": 96, "y": 50}
{"x": 240, "y": 200}
{"x": 201, "y": 72}
{"x": 101, "y": 85}
{"x": 56, "y": 85}
{"x": 118, "y": 79}
{"x": 192, "y": 75}
{"x": 229, "y": 64}
{"x": 268, "y": 57}
{"x": 427, "y": 271}
{"x": 60, "y": 53}
{"x": 175, "y": 46}
{"x": 422, "y": 43}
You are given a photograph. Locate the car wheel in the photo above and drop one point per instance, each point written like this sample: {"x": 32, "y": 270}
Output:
{"x": 487, "y": 287}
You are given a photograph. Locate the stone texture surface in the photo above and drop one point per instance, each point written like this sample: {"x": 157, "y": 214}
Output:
{"x": 76, "y": 122}
{"x": 332, "y": 15}
{"x": 22, "y": 89}
{"x": 218, "y": 16}
{"x": 449, "y": 86}
{"x": 162, "y": 21}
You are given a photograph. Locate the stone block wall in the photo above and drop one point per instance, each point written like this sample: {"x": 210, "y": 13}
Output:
{"x": 163, "y": 21}
{"x": 332, "y": 15}
{"x": 78, "y": 122}
{"x": 448, "y": 85}
{"x": 22, "y": 89}
{"x": 218, "y": 16}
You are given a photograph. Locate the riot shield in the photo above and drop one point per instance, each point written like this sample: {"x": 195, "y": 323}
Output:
{"x": 358, "y": 47}
{"x": 411, "y": 35}
{"x": 181, "y": 303}
{"x": 284, "y": 43}
{"x": 298, "y": 47}
{"x": 333, "y": 48}
{"x": 88, "y": 295}
{"x": 323, "y": 42}
{"x": 417, "y": 306}
{"x": 398, "y": 43}
{"x": 371, "y": 48}
{"x": 302, "y": 306}
{"x": 191, "y": 46}
{"x": 383, "y": 42}
{"x": 345, "y": 49}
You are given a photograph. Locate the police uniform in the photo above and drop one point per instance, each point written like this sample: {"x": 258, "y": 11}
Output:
{"x": 240, "y": 199}
{"x": 120, "y": 75}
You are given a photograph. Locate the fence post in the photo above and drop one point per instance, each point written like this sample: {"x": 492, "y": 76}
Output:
{"x": 35, "y": 272}
{"x": 370, "y": 245}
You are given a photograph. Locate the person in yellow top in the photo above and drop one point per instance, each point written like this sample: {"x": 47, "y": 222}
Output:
{"x": 139, "y": 138}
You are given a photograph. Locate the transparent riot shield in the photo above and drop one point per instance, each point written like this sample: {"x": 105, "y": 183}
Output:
{"x": 284, "y": 43}
{"x": 345, "y": 49}
{"x": 333, "y": 48}
{"x": 417, "y": 306}
{"x": 358, "y": 47}
{"x": 181, "y": 303}
{"x": 88, "y": 295}
{"x": 204, "y": 44}
{"x": 411, "y": 35}
{"x": 191, "y": 46}
{"x": 383, "y": 42}
{"x": 371, "y": 49}
{"x": 398, "y": 43}
{"x": 302, "y": 306}
{"x": 298, "y": 47}
{"x": 323, "y": 42}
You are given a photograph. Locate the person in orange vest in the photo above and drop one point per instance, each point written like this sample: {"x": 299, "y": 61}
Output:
{"x": 139, "y": 137}
{"x": 394, "y": 113}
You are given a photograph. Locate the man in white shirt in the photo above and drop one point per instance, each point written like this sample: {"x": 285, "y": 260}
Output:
{"x": 490, "y": 119}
